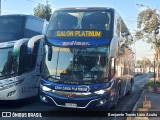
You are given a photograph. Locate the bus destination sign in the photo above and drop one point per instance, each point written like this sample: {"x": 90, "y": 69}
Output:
{"x": 70, "y": 33}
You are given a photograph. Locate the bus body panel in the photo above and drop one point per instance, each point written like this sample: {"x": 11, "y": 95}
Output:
{"x": 74, "y": 43}
{"x": 82, "y": 98}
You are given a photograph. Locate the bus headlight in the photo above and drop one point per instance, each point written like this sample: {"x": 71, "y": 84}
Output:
{"x": 45, "y": 88}
{"x": 102, "y": 91}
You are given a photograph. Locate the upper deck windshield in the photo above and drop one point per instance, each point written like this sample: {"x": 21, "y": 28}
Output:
{"x": 8, "y": 66}
{"x": 11, "y": 28}
{"x": 79, "y": 20}
{"x": 76, "y": 65}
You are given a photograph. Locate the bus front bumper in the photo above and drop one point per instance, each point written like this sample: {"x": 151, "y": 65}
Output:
{"x": 99, "y": 101}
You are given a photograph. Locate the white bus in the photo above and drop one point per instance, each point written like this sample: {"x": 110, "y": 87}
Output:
{"x": 19, "y": 71}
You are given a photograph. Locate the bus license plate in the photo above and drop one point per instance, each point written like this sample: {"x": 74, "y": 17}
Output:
{"x": 71, "y": 105}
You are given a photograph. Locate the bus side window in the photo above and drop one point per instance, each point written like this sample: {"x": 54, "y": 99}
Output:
{"x": 35, "y": 55}
{"x": 113, "y": 67}
{"x": 27, "y": 61}
{"x": 118, "y": 29}
{"x": 24, "y": 60}
{"x": 118, "y": 25}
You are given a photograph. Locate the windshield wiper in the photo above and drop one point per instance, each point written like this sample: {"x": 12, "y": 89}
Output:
{"x": 51, "y": 76}
{"x": 54, "y": 77}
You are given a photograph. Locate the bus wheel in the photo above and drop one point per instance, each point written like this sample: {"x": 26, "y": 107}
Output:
{"x": 117, "y": 98}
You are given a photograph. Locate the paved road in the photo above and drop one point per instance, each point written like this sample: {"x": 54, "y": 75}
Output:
{"x": 126, "y": 104}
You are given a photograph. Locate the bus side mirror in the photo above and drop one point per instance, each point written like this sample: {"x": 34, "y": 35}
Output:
{"x": 50, "y": 53}
{"x": 31, "y": 42}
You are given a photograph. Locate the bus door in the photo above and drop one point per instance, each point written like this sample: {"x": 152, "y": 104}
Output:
{"x": 29, "y": 69}
{"x": 36, "y": 62}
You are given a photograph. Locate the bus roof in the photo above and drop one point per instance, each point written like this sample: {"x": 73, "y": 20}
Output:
{"x": 86, "y": 8}
{"x": 21, "y": 15}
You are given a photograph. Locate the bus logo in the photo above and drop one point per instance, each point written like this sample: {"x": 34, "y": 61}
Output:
{"x": 70, "y": 95}
{"x": 75, "y": 43}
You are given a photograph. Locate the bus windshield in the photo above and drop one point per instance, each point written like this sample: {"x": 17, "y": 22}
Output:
{"x": 76, "y": 65}
{"x": 79, "y": 20}
{"x": 8, "y": 67}
{"x": 10, "y": 28}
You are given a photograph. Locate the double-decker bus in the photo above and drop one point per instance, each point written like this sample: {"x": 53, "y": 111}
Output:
{"x": 19, "y": 71}
{"x": 88, "y": 60}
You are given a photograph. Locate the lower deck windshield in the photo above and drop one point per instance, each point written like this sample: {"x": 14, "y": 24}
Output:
{"x": 76, "y": 65}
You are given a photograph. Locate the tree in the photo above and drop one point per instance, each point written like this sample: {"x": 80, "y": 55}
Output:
{"x": 138, "y": 63}
{"x": 43, "y": 11}
{"x": 148, "y": 23}
{"x": 144, "y": 63}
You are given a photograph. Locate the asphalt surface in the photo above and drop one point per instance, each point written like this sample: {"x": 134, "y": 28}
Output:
{"x": 126, "y": 104}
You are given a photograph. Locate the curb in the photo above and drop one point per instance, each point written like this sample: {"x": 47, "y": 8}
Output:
{"x": 135, "y": 106}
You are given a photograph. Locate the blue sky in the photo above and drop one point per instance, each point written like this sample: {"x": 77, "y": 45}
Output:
{"x": 126, "y": 8}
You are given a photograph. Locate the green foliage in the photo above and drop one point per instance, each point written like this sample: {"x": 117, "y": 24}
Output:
{"x": 148, "y": 22}
{"x": 151, "y": 83}
{"x": 145, "y": 62}
{"x": 43, "y": 11}
{"x": 139, "y": 35}
{"x": 138, "y": 62}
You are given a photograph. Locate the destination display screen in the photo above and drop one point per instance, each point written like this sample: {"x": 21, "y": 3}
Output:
{"x": 79, "y": 34}
{"x": 82, "y": 33}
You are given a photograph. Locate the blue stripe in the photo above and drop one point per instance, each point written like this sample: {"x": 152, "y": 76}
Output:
{"x": 71, "y": 42}
{"x": 75, "y": 88}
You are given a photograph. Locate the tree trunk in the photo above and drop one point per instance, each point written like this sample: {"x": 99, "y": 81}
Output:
{"x": 158, "y": 65}
{"x": 157, "y": 71}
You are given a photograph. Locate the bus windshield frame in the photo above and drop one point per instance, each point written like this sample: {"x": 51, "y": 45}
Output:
{"x": 76, "y": 65}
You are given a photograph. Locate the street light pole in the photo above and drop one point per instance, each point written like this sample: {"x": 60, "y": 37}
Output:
{"x": 141, "y": 5}
{"x": 0, "y": 7}
{"x": 154, "y": 76}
